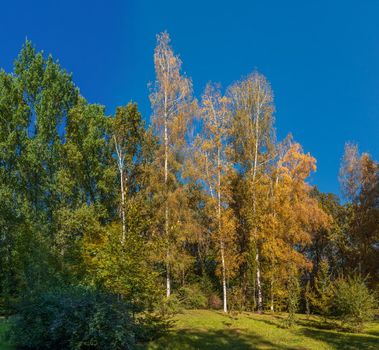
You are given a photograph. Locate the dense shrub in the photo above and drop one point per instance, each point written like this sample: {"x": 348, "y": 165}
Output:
{"x": 187, "y": 297}
{"x": 151, "y": 326}
{"x": 78, "y": 318}
{"x": 170, "y": 306}
{"x": 192, "y": 297}
{"x": 353, "y": 303}
{"x": 214, "y": 301}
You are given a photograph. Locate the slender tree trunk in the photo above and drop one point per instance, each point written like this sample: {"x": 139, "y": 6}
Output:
{"x": 222, "y": 248}
{"x": 273, "y": 194}
{"x": 168, "y": 280}
{"x": 254, "y": 293}
{"x": 120, "y": 164}
{"x": 259, "y": 287}
{"x": 257, "y": 266}
{"x": 122, "y": 206}
{"x": 168, "y": 277}
{"x": 272, "y": 294}
{"x": 223, "y": 277}
{"x": 208, "y": 177}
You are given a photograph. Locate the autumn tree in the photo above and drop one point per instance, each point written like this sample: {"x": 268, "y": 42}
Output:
{"x": 205, "y": 197}
{"x": 213, "y": 169}
{"x": 252, "y": 103}
{"x": 328, "y": 243}
{"x": 294, "y": 214}
{"x": 170, "y": 99}
{"x": 359, "y": 177}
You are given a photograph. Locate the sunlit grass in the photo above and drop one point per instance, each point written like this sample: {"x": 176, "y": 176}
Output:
{"x": 203, "y": 329}
{"x": 211, "y": 330}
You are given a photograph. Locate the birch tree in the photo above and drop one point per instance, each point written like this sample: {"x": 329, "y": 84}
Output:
{"x": 213, "y": 170}
{"x": 170, "y": 99}
{"x": 127, "y": 137}
{"x": 359, "y": 178}
{"x": 252, "y": 102}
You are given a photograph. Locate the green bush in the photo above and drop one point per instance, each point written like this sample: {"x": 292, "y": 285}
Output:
{"x": 192, "y": 297}
{"x": 353, "y": 303}
{"x": 170, "y": 306}
{"x": 152, "y": 326}
{"x": 78, "y": 318}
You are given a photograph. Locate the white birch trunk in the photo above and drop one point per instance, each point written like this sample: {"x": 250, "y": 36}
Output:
{"x": 223, "y": 277}
{"x": 222, "y": 248}
{"x": 123, "y": 206}
{"x": 259, "y": 287}
{"x": 168, "y": 280}
{"x": 168, "y": 277}
{"x": 120, "y": 164}
{"x": 272, "y": 295}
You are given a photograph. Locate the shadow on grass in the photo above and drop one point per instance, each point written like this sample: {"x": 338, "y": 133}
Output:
{"x": 343, "y": 341}
{"x": 215, "y": 340}
{"x": 374, "y": 333}
{"x": 321, "y": 324}
{"x": 327, "y": 332}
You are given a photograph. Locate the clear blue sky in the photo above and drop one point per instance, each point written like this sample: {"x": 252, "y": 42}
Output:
{"x": 321, "y": 57}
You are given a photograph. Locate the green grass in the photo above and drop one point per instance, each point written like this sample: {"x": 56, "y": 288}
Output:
{"x": 208, "y": 330}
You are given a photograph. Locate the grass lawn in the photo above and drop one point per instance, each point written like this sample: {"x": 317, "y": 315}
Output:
{"x": 202, "y": 329}
{"x": 208, "y": 330}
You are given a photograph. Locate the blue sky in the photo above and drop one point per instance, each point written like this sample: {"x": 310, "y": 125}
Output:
{"x": 321, "y": 57}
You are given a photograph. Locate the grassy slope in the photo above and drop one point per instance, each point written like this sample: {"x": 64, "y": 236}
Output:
{"x": 202, "y": 329}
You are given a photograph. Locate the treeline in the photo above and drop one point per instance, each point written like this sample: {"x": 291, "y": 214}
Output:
{"x": 204, "y": 207}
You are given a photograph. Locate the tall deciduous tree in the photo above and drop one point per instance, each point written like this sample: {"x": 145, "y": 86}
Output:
{"x": 359, "y": 176}
{"x": 128, "y": 133}
{"x": 295, "y": 214}
{"x": 252, "y": 101}
{"x": 214, "y": 167}
{"x": 170, "y": 100}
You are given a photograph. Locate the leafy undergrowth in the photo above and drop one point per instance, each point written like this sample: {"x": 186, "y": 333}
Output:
{"x": 4, "y": 345}
{"x": 208, "y": 330}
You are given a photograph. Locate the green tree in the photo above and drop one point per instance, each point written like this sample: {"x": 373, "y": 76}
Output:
{"x": 353, "y": 302}
{"x": 293, "y": 288}
{"x": 323, "y": 291}
{"x": 128, "y": 135}
{"x": 125, "y": 269}
{"x": 35, "y": 101}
